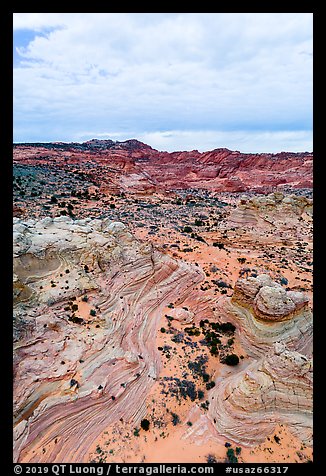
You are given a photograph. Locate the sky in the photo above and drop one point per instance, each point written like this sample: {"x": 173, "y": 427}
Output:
{"x": 176, "y": 81}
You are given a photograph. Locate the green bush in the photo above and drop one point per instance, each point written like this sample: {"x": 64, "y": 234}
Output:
{"x": 231, "y": 456}
{"x": 145, "y": 424}
{"x": 205, "y": 377}
{"x": 242, "y": 260}
{"x": 199, "y": 222}
{"x": 219, "y": 245}
{"x": 175, "y": 419}
{"x": 200, "y": 394}
{"x": 214, "y": 350}
{"x": 231, "y": 359}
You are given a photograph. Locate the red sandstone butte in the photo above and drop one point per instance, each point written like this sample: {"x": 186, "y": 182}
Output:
{"x": 138, "y": 167}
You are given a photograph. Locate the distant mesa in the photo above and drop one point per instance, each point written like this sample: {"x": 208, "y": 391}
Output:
{"x": 130, "y": 144}
{"x": 218, "y": 170}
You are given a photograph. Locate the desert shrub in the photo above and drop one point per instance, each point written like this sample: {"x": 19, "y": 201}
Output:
{"x": 169, "y": 318}
{"x": 211, "y": 459}
{"x": 76, "y": 320}
{"x": 145, "y": 424}
{"x": 242, "y": 260}
{"x": 192, "y": 331}
{"x": 175, "y": 419}
{"x": 231, "y": 456}
{"x": 231, "y": 359}
{"x": 205, "y": 405}
{"x": 223, "y": 327}
{"x": 219, "y": 245}
{"x": 200, "y": 394}
{"x": 199, "y": 222}
{"x": 222, "y": 284}
{"x": 214, "y": 350}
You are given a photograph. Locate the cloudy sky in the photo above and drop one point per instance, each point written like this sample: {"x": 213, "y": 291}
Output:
{"x": 177, "y": 81}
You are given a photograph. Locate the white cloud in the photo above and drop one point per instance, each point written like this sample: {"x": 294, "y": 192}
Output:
{"x": 244, "y": 141}
{"x": 36, "y": 21}
{"x": 150, "y": 72}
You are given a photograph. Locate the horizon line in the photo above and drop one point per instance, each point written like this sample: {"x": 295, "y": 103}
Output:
{"x": 168, "y": 152}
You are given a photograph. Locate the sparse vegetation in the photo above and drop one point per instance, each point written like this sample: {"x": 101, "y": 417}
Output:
{"x": 189, "y": 352}
{"x": 231, "y": 359}
{"x": 145, "y": 424}
{"x": 231, "y": 458}
{"x": 175, "y": 419}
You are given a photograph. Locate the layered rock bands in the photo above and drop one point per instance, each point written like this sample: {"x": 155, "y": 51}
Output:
{"x": 87, "y": 298}
{"x": 275, "y": 329}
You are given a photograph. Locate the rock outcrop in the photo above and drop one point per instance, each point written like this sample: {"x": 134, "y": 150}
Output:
{"x": 132, "y": 166}
{"x": 275, "y": 329}
{"x": 267, "y": 313}
{"x": 88, "y": 299}
{"x": 276, "y": 389}
{"x": 273, "y": 208}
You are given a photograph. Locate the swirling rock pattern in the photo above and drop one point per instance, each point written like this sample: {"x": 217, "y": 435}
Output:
{"x": 275, "y": 329}
{"x": 74, "y": 374}
{"x": 276, "y": 389}
{"x": 267, "y": 313}
{"x": 276, "y": 209}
